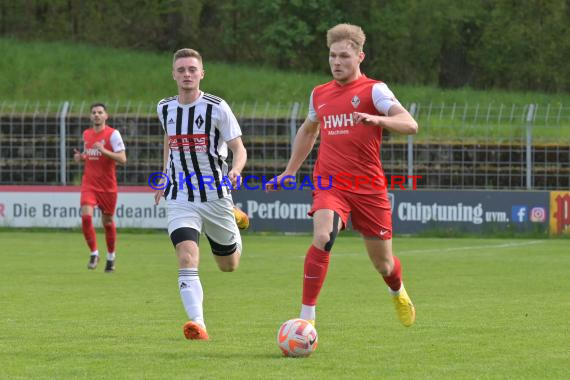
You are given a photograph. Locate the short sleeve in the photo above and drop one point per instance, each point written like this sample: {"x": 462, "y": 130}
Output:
{"x": 159, "y": 108}
{"x": 117, "y": 141}
{"x": 312, "y": 115}
{"x": 383, "y": 98}
{"x": 229, "y": 126}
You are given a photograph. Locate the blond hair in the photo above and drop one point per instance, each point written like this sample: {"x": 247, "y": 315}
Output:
{"x": 187, "y": 53}
{"x": 353, "y": 33}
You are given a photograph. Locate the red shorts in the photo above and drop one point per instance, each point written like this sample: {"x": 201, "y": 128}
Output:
{"x": 371, "y": 214}
{"x": 106, "y": 201}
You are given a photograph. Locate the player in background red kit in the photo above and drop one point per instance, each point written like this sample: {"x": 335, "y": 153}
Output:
{"x": 103, "y": 148}
{"x": 350, "y": 113}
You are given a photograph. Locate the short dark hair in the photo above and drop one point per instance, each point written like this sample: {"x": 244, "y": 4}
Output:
{"x": 98, "y": 105}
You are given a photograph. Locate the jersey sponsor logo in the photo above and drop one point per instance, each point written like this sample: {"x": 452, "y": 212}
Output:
{"x": 189, "y": 143}
{"x": 92, "y": 153}
{"x": 338, "y": 121}
{"x": 171, "y": 121}
{"x": 338, "y": 132}
{"x": 355, "y": 101}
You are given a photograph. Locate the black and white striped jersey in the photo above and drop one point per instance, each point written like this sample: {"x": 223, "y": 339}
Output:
{"x": 197, "y": 134}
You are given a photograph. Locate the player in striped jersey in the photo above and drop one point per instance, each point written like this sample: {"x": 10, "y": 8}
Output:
{"x": 199, "y": 128}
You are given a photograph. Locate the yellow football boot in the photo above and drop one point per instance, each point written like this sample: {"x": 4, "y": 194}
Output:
{"x": 242, "y": 220}
{"x": 404, "y": 308}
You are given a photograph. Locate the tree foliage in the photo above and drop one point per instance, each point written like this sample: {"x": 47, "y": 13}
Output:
{"x": 451, "y": 43}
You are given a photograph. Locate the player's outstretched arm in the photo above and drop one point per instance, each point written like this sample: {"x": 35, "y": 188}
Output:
{"x": 302, "y": 146}
{"x": 239, "y": 159}
{"x": 398, "y": 120}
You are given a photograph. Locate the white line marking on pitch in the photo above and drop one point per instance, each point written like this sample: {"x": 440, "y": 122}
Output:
{"x": 451, "y": 249}
{"x": 466, "y": 248}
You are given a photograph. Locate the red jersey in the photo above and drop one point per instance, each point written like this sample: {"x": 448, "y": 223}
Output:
{"x": 99, "y": 173}
{"x": 346, "y": 147}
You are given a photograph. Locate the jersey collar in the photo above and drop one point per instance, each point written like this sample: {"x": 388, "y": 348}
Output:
{"x": 102, "y": 129}
{"x": 190, "y": 104}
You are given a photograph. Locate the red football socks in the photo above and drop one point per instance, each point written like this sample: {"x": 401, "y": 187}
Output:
{"x": 110, "y": 236}
{"x": 316, "y": 266}
{"x": 89, "y": 232}
{"x": 394, "y": 279}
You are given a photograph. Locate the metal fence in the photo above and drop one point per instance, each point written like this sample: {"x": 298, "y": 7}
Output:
{"x": 459, "y": 146}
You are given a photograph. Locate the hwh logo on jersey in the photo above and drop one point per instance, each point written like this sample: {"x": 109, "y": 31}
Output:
{"x": 338, "y": 121}
{"x": 92, "y": 152}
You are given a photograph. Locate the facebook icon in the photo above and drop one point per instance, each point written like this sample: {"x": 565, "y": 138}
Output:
{"x": 519, "y": 214}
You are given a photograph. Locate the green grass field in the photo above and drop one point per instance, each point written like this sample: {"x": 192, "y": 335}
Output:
{"x": 41, "y": 71}
{"x": 487, "y": 308}
{"x": 131, "y": 81}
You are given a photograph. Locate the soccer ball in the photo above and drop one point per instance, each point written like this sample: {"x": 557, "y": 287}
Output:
{"x": 297, "y": 338}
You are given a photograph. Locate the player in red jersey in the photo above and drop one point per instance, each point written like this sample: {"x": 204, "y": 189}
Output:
{"x": 350, "y": 113}
{"x": 103, "y": 148}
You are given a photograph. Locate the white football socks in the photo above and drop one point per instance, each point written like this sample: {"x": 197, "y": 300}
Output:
{"x": 111, "y": 256}
{"x": 192, "y": 294}
{"x": 396, "y": 292}
{"x": 308, "y": 312}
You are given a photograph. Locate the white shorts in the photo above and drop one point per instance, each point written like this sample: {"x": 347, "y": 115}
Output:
{"x": 214, "y": 218}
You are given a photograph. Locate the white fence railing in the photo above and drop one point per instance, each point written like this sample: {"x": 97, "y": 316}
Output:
{"x": 459, "y": 146}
